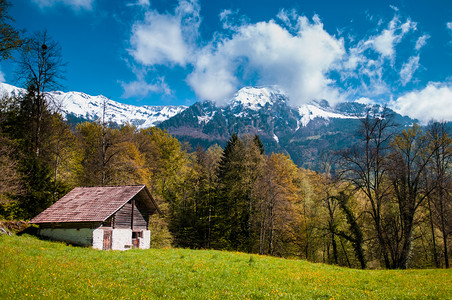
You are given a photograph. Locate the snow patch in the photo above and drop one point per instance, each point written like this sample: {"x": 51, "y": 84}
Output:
{"x": 205, "y": 119}
{"x": 309, "y": 112}
{"x": 252, "y": 98}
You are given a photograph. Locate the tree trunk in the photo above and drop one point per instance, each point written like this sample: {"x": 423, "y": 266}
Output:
{"x": 333, "y": 242}
{"x": 272, "y": 229}
{"x": 432, "y": 229}
{"x": 381, "y": 240}
{"x": 446, "y": 255}
{"x": 407, "y": 241}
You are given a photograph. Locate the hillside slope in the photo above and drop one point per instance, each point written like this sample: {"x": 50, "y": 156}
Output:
{"x": 41, "y": 269}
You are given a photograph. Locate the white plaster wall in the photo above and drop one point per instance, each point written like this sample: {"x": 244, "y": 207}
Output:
{"x": 145, "y": 241}
{"x": 82, "y": 236}
{"x": 121, "y": 239}
{"x": 98, "y": 239}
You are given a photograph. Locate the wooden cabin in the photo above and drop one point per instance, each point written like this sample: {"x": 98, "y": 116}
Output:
{"x": 113, "y": 217}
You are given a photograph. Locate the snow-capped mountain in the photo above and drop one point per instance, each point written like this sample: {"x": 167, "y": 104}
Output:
{"x": 80, "y": 106}
{"x": 304, "y": 131}
{"x": 249, "y": 100}
{"x": 262, "y": 111}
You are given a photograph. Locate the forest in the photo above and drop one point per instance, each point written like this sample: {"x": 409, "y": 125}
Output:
{"x": 383, "y": 203}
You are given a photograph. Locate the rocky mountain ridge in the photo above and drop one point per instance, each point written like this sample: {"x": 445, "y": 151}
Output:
{"x": 304, "y": 131}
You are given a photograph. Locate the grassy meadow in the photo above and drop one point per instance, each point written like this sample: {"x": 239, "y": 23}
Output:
{"x": 32, "y": 268}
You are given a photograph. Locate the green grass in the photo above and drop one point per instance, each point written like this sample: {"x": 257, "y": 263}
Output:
{"x": 30, "y": 267}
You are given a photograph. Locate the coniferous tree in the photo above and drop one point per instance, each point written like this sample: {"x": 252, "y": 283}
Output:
{"x": 239, "y": 168}
{"x": 226, "y": 220}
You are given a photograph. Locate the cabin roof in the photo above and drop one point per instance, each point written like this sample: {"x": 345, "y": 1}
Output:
{"x": 93, "y": 204}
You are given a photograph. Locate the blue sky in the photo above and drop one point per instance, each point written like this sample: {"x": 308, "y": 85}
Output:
{"x": 161, "y": 52}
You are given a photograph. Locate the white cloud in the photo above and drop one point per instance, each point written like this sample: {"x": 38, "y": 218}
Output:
{"x": 270, "y": 54}
{"x": 144, "y": 3}
{"x": 141, "y": 89}
{"x": 371, "y": 59}
{"x": 421, "y": 41}
{"x": 2, "y": 76}
{"x": 292, "y": 52}
{"x": 165, "y": 39}
{"x": 408, "y": 69}
{"x": 431, "y": 103}
{"x": 213, "y": 77}
{"x": 394, "y": 8}
{"x": 385, "y": 42}
{"x": 449, "y": 25}
{"x": 365, "y": 101}
{"x": 74, "y": 4}
{"x": 158, "y": 40}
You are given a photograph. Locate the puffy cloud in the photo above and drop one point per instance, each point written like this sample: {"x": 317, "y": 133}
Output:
{"x": 384, "y": 43}
{"x": 213, "y": 77}
{"x": 365, "y": 101}
{"x": 292, "y": 52}
{"x": 408, "y": 69}
{"x": 431, "y": 103}
{"x": 141, "y": 88}
{"x": 449, "y": 25}
{"x": 166, "y": 39}
{"x": 268, "y": 54}
{"x": 74, "y": 4}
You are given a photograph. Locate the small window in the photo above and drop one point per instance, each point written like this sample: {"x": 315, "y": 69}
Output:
{"x": 137, "y": 234}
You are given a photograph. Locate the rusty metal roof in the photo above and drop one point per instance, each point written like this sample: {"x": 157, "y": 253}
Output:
{"x": 91, "y": 204}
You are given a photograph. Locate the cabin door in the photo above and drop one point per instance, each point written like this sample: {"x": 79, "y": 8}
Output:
{"x": 136, "y": 236}
{"x": 107, "y": 239}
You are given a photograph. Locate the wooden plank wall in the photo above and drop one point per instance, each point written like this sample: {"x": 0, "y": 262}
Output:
{"x": 139, "y": 222}
{"x": 123, "y": 217}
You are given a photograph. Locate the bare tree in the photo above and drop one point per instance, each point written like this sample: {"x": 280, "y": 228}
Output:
{"x": 365, "y": 166}
{"x": 411, "y": 153}
{"x": 440, "y": 175}
{"x": 41, "y": 69}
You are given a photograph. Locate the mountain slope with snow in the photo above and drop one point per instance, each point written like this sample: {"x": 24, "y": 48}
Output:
{"x": 90, "y": 108}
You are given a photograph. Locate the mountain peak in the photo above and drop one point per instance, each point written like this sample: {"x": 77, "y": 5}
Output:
{"x": 255, "y": 98}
